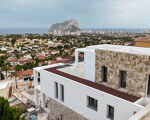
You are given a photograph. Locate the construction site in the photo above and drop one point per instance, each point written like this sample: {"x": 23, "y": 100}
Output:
{"x": 20, "y": 93}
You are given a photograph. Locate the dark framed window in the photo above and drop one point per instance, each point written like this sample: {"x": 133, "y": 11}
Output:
{"x": 110, "y": 112}
{"x": 56, "y": 89}
{"x": 104, "y": 74}
{"x": 148, "y": 86}
{"x": 134, "y": 112}
{"x": 62, "y": 92}
{"x": 38, "y": 79}
{"x": 61, "y": 117}
{"x": 92, "y": 103}
{"x": 123, "y": 78}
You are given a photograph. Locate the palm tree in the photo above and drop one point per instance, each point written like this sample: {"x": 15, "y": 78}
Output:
{"x": 5, "y": 68}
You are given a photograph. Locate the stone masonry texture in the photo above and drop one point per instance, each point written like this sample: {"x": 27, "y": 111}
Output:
{"x": 136, "y": 66}
{"x": 57, "y": 110}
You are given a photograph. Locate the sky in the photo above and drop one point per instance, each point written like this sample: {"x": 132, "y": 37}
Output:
{"x": 88, "y": 13}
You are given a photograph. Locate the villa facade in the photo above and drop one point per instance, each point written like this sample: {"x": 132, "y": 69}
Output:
{"x": 112, "y": 83}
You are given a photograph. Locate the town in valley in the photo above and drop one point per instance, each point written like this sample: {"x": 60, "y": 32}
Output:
{"x": 74, "y": 60}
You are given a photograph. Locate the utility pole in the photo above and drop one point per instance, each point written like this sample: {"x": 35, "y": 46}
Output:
{"x": 16, "y": 78}
{"x": 15, "y": 73}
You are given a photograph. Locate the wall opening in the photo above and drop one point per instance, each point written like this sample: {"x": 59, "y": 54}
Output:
{"x": 104, "y": 73}
{"x": 148, "y": 86}
{"x": 123, "y": 77}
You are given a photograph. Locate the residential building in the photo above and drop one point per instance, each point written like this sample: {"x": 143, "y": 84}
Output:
{"x": 112, "y": 83}
{"x": 24, "y": 61}
{"x": 142, "y": 42}
{"x": 25, "y": 75}
{"x": 5, "y": 89}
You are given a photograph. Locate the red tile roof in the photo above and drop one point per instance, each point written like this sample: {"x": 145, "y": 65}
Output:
{"x": 41, "y": 57}
{"x": 26, "y": 61}
{"x": 22, "y": 74}
{"x": 143, "y": 39}
{"x": 97, "y": 86}
{"x": 55, "y": 51}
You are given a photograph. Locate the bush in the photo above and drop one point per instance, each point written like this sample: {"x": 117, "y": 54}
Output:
{"x": 2, "y": 76}
{"x": 7, "y": 112}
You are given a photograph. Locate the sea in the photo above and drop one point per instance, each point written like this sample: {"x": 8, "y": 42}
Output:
{"x": 5, "y": 31}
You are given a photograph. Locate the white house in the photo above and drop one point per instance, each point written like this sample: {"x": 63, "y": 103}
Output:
{"x": 73, "y": 92}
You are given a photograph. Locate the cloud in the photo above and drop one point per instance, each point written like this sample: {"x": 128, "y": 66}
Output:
{"x": 89, "y": 13}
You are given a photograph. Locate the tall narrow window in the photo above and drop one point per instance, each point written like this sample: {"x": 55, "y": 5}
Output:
{"x": 123, "y": 77}
{"x": 110, "y": 112}
{"x": 61, "y": 117}
{"x": 56, "y": 89}
{"x": 92, "y": 103}
{"x": 38, "y": 78}
{"x": 148, "y": 86}
{"x": 104, "y": 74}
{"x": 62, "y": 92}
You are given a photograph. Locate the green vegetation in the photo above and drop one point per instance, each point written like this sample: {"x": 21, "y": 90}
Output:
{"x": 26, "y": 66}
{"x": 13, "y": 41}
{"x": 2, "y": 76}
{"x": 7, "y": 112}
{"x": 32, "y": 44}
{"x": 2, "y": 59}
{"x": 3, "y": 67}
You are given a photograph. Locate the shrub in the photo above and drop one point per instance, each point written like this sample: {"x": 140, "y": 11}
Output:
{"x": 7, "y": 112}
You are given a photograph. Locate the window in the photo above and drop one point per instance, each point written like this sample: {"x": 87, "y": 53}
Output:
{"x": 61, "y": 117}
{"x": 104, "y": 74}
{"x": 92, "y": 103}
{"x": 134, "y": 112}
{"x": 110, "y": 112}
{"x": 148, "y": 86}
{"x": 62, "y": 92}
{"x": 56, "y": 89}
{"x": 38, "y": 79}
{"x": 123, "y": 76}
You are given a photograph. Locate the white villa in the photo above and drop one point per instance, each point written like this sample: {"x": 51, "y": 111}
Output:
{"x": 112, "y": 83}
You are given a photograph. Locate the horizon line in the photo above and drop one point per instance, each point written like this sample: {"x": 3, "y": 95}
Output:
{"x": 79, "y": 28}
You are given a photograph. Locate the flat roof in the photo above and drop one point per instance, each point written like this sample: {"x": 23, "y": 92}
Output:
{"x": 74, "y": 70}
{"x": 120, "y": 48}
{"x": 3, "y": 85}
{"x": 95, "y": 85}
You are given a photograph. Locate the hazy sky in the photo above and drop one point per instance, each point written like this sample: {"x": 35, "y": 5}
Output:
{"x": 89, "y": 13}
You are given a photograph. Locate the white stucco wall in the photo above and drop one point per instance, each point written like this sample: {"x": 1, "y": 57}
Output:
{"x": 75, "y": 98}
{"x": 89, "y": 65}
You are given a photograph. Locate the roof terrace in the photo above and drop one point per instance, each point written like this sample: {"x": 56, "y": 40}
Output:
{"x": 74, "y": 70}
{"x": 61, "y": 70}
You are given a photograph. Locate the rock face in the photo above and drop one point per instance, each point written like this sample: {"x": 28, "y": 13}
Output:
{"x": 64, "y": 28}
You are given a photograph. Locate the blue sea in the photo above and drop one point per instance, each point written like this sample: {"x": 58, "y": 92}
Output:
{"x": 23, "y": 31}
{"x": 44, "y": 30}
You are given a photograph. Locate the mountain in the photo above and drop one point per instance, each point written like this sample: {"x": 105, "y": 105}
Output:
{"x": 64, "y": 28}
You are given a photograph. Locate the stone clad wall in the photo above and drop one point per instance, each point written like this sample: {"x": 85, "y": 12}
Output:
{"x": 136, "y": 66}
{"x": 57, "y": 109}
